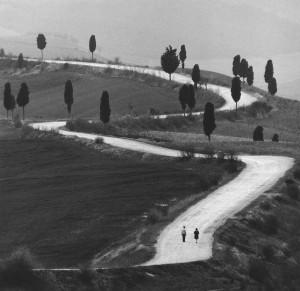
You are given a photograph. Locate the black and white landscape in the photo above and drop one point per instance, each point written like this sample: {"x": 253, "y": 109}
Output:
{"x": 149, "y": 145}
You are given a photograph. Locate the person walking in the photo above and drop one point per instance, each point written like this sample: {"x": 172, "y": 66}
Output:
{"x": 196, "y": 234}
{"x": 183, "y": 234}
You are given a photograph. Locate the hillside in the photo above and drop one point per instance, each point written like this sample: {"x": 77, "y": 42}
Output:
{"x": 132, "y": 94}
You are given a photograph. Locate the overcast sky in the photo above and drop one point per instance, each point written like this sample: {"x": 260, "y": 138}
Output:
{"x": 139, "y": 30}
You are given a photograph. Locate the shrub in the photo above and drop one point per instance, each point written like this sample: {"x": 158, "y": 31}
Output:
{"x": 275, "y": 138}
{"x": 297, "y": 173}
{"x": 268, "y": 252}
{"x": 16, "y": 273}
{"x": 17, "y": 121}
{"x": 66, "y": 66}
{"x": 258, "y": 133}
{"x": 270, "y": 224}
{"x": 258, "y": 108}
{"x": 154, "y": 216}
{"x": 209, "y": 152}
{"x": 265, "y": 205}
{"x": 258, "y": 270}
{"x": 292, "y": 189}
{"x": 187, "y": 154}
{"x": 232, "y": 166}
{"x": 99, "y": 140}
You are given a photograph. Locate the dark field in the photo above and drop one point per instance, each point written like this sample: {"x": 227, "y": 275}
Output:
{"x": 67, "y": 202}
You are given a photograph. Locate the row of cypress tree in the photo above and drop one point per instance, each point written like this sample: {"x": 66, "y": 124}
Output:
{"x": 9, "y": 100}
{"x": 41, "y": 44}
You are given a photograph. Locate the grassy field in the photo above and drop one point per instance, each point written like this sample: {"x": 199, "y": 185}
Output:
{"x": 130, "y": 93}
{"x": 67, "y": 202}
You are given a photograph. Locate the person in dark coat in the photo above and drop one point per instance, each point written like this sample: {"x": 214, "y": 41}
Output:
{"x": 196, "y": 234}
{"x": 183, "y": 234}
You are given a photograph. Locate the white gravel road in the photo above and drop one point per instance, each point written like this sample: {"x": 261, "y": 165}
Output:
{"x": 259, "y": 175}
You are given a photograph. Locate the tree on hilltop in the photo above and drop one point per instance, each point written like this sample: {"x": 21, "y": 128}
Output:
{"x": 23, "y": 97}
{"x": 182, "y": 55}
{"x": 269, "y": 71}
{"x": 41, "y": 43}
{"x": 68, "y": 95}
{"x": 196, "y": 77}
{"x": 104, "y": 107}
{"x": 209, "y": 124}
{"x": 169, "y": 61}
{"x": 272, "y": 86}
{"x": 92, "y": 45}
{"x": 236, "y": 90}
{"x": 244, "y": 69}
{"x": 236, "y": 65}
{"x": 250, "y": 76}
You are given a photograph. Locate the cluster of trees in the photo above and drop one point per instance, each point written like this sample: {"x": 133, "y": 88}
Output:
{"x": 104, "y": 102}
{"x": 269, "y": 78}
{"x": 9, "y": 100}
{"x": 187, "y": 97}
{"x": 241, "y": 68}
{"x": 41, "y": 44}
{"x": 258, "y": 134}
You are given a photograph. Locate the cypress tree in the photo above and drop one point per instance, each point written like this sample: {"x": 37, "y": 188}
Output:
{"x": 191, "y": 101}
{"x": 7, "y": 98}
{"x": 12, "y": 106}
{"x": 169, "y": 61}
{"x": 236, "y": 90}
{"x": 244, "y": 69}
{"x": 236, "y": 65}
{"x": 104, "y": 107}
{"x": 20, "y": 61}
{"x": 41, "y": 43}
{"x": 250, "y": 76}
{"x": 92, "y": 45}
{"x": 68, "y": 95}
{"x": 183, "y": 97}
{"x": 182, "y": 55}
{"x": 209, "y": 124}
{"x": 272, "y": 86}
{"x": 196, "y": 75}
{"x": 269, "y": 71}
{"x": 23, "y": 97}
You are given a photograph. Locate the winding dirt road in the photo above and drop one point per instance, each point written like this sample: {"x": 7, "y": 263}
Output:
{"x": 259, "y": 175}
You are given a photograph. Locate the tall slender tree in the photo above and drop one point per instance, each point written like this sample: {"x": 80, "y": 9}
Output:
{"x": 272, "y": 86}
{"x": 7, "y": 98}
{"x": 92, "y": 45}
{"x": 236, "y": 65}
{"x": 23, "y": 97}
{"x": 244, "y": 69}
{"x": 182, "y": 55}
{"x": 12, "y": 106}
{"x": 41, "y": 43}
{"x": 269, "y": 71}
{"x": 236, "y": 90}
{"x": 20, "y": 61}
{"x": 169, "y": 61}
{"x": 196, "y": 77}
{"x": 191, "y": 101}
{"x": 104, "y": 107}
{"x": 209, "y": 123}
{"x": 250, "y": 76}
{"x": 183, "y": 97}
{"x": 68, "y": 95}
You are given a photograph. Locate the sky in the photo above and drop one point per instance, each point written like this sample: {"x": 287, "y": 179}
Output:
{"x": 137, "y": 31}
